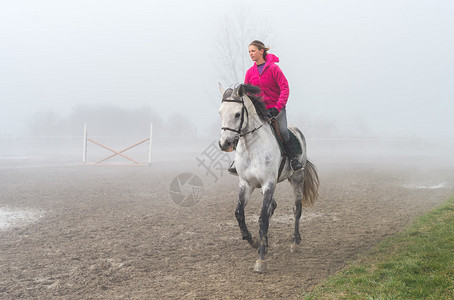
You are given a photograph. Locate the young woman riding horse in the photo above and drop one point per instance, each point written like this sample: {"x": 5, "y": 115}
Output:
{"x": 267, "y": 75}
{"x": 245, "y": 128}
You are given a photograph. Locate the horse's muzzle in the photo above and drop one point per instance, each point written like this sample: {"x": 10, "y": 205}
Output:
{"x": 228, "y": 146}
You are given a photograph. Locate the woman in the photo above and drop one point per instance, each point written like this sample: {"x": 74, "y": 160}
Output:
{"x": 267, "y": 75}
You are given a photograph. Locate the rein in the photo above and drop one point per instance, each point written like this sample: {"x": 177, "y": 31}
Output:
{"x": 255, "y": 129}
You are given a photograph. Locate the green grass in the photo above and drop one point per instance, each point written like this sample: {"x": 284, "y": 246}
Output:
{"x": 415, "y": 264}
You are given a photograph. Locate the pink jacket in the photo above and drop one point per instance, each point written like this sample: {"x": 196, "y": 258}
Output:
{"x": 273, "y": 83}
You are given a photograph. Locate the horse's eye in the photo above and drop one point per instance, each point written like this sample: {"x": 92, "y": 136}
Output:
{"x": 237, "y": 115}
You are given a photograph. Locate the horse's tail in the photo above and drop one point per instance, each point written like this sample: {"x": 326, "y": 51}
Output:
{"x": 310, "y": 184}
{"x": 308, "y": 181}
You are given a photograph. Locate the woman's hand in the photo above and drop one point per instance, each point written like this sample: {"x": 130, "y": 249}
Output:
{"x": 272, "y": 112}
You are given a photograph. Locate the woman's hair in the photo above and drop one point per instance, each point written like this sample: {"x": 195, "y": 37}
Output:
{"x": 260, "y": 46}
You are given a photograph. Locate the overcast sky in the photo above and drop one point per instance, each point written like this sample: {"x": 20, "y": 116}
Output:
{"x": 389, "y": 64}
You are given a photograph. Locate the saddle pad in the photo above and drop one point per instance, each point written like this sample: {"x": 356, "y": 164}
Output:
{"x": 296, "y": 146}
{"x": 295, "y": 143}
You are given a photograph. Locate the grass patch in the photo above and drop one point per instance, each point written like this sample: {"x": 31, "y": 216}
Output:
{"x": 415, "y": 264}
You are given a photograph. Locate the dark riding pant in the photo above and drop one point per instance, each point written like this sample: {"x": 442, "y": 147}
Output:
{"x": 281, "y": 118}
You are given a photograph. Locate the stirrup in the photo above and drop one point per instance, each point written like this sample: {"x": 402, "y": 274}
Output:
{"x": 296, "y": 165}
{"x": 232, "y": 169}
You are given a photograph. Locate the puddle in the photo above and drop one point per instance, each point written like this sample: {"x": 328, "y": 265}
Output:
{"x": 10, "y": 218}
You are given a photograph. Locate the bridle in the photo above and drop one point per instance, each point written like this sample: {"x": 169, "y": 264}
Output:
{"x": 243, "y": 110}
{"x": 238, "y": 131}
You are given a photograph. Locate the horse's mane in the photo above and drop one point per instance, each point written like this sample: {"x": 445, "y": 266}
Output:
{"x": 253, "y": 92}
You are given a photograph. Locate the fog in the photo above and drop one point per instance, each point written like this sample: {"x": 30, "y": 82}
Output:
{"x": 371, "y": 88}
{"x": 380, "y": 69}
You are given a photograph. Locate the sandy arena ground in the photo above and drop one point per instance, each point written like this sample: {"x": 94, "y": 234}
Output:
{"x": 90, "y": 232}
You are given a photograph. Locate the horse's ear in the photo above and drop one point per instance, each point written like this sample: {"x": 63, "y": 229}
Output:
{"x": 221, "y": 89}
{"x": 240, "y": 91}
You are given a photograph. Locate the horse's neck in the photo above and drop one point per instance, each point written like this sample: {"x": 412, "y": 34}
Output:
{"x": 255, "y": 141}
{"x": 254, "y": 122}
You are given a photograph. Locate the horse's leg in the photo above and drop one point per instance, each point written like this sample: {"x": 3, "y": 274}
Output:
{"x": 245, "y": 192}
{"x": 297, "y": 181}
{"x": 273, "y": 207}
{"x": 296, "y": 234}
{"x": 264, "y": 221}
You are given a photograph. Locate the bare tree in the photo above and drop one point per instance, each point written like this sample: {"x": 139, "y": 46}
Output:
{"x": 239, "y": 27}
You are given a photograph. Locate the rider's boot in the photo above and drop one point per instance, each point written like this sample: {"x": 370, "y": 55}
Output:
{"x": 232, "y": 169}
{"x": 294, "y": 162}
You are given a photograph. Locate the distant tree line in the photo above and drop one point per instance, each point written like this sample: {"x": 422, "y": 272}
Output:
{"x": 110, "y": 121}
{"x": 316, "y": 127}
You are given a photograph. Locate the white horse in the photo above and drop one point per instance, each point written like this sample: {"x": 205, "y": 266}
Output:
{"x": 245, "y": 128}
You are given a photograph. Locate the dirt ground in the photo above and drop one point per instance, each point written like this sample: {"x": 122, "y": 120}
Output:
{"x": 114, "y": 232}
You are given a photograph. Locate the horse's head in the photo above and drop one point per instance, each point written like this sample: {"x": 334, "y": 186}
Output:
{"x": 234, "y": 117}
{"x": 237, "y": 106}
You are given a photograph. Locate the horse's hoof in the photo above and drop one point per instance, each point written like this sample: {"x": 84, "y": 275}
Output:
{"x": 255, "y": 243}
{"x": 260, "y": 266}
{"x": 294, "y": 248}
